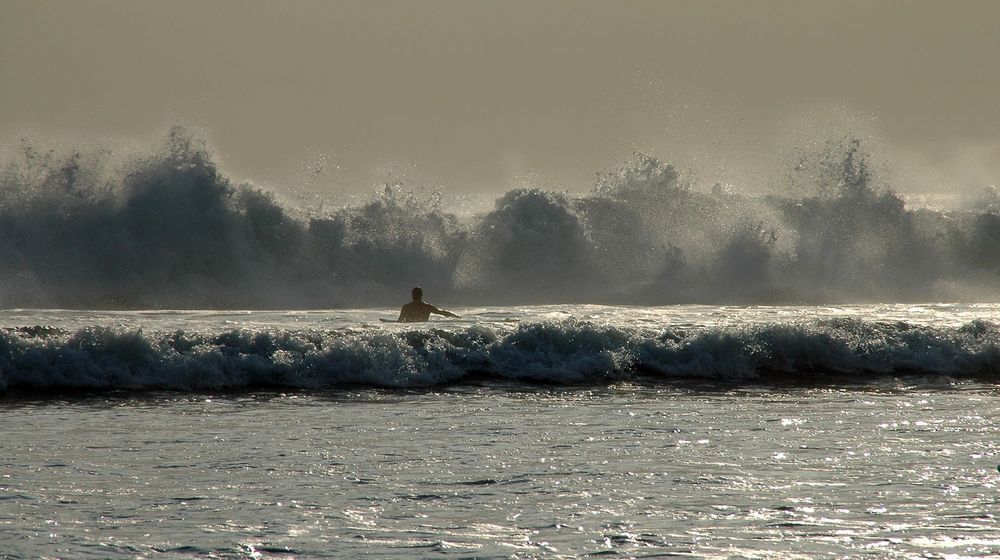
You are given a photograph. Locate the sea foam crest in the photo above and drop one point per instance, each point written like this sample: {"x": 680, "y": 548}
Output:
{"x": 168, "y": 229}
{"x": 566, "y": 353}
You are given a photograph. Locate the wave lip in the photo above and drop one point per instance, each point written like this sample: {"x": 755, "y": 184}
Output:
{"x": 563, "y": 353}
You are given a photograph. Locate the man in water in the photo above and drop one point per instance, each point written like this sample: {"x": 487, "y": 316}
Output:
{"x": 419, "y": 310}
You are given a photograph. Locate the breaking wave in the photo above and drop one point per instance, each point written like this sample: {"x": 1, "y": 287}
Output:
{"x": 40, "y": 360}
{"x": 169, "y": 230}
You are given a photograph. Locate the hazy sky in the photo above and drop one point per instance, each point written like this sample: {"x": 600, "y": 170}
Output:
{"x": 474, "y": 95}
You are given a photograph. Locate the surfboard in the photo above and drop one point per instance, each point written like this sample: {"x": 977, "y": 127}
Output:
{"x": 385, "y": 320}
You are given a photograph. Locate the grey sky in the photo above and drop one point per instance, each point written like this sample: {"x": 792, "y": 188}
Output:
{"x": 473, "y": 94}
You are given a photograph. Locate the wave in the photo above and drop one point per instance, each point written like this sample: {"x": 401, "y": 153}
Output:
{"x": 167, "y": 229}
{"x": 569, "y": 353}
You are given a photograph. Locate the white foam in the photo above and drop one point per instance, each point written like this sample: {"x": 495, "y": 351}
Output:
{"x": 553, "y": 353}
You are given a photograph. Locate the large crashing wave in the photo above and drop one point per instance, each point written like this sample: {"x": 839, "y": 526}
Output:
{"x": 170, "y": 230}
{"x": 42, "y": 360}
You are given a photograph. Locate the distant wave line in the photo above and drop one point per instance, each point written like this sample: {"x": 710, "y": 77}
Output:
{"x": 169, "y": 230}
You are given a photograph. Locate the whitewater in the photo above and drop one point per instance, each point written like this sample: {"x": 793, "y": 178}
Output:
{"x": 52, "y": 351}
{"x": 164, "y": 227}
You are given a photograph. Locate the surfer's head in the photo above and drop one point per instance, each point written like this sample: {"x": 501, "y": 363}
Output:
{"x": 417, "y": 294}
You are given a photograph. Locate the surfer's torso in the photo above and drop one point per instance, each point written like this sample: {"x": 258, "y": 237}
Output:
{"x": 416, "y": 311}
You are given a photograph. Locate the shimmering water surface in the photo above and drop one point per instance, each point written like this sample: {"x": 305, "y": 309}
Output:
{"x": 894, "y": 466}
{"x": 492, "y": 473}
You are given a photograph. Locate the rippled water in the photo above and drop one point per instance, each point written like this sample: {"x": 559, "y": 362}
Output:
{"x": 878, "y": 471}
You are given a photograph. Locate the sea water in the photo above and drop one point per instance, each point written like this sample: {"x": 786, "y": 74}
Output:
{"x": 517, "y": 432}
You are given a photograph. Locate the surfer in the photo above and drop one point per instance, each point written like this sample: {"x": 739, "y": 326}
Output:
{"x": 419, "y": 310}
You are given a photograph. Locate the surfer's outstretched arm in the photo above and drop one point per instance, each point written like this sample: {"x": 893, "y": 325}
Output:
{"x": 442, "y": 312}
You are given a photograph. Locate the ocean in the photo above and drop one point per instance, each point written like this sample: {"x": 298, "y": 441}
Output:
{"x": 719, "y": 402}
{"x": 553, "y": 431}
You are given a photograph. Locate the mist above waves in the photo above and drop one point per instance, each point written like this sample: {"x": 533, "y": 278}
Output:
{"x": 168, "y": 229}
